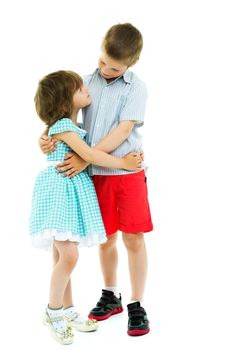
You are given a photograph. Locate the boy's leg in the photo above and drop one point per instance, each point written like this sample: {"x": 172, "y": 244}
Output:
{"x": 109, "y": 260}
{"x": 105, "y": 190}
{"x": 109, "y": 304}
{"x": 138, "y": 323}
{"x": 137, "y": 261}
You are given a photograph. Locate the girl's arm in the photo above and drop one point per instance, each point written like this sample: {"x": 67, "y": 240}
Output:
{"x": 97, "y": 157}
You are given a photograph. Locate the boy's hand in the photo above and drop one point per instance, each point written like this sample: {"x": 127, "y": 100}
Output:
{"x": 72, "y": 165}
{"x": 47, "y": 144}
{"x": 142, "y": 155}
{"x": 132, "y": 161}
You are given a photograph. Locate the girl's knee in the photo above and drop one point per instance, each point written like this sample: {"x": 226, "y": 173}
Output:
{"x": 69, "y": 262}
{"x": 68, "y": 254}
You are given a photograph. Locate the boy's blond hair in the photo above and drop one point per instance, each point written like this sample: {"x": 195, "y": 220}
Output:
{"x": 123, "y": 42}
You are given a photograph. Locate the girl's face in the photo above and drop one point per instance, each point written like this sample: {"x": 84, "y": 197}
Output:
{"x": 81, "y": 98}
{"x": 110, "y": 68}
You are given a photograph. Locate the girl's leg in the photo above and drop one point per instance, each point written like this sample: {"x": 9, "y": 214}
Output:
{"x": 137, "y": 260}
{"x": 109, "y": 260}
{"x": 65, "y": 258}
{"x": 68, "y": 299}
{"x": 55, "y": 255}
{"x": 69, "y": 312}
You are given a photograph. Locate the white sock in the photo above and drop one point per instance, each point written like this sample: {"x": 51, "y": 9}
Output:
{"x": 58, "y": 325}
{"x": 135, "y": 301}
{"x": 72, "y": 310}
{"x": 114, "y": 290}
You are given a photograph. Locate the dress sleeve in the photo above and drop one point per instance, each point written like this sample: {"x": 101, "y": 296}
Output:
{"x": 62, "y": 125}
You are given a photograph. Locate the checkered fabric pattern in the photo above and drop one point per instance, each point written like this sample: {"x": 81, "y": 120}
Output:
{"x": 65, "y": 204}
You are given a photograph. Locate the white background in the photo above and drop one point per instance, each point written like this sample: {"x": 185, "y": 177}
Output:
{"x": 187, "y": 65}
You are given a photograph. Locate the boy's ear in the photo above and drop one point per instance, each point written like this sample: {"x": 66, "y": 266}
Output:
{"x": 132, "y": 64}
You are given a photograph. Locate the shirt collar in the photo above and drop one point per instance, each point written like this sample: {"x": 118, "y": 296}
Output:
{"x": 127, "y": 76}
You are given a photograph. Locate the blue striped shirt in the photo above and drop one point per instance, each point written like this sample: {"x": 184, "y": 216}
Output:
{"x": 122, "y": 99}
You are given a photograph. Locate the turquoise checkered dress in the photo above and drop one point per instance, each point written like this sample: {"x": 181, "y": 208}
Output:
{"x": 64, "y": 208}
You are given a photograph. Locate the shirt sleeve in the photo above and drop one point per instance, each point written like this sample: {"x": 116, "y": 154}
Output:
{"x": 135, "y": 104}
{"x": 62, "y": 125}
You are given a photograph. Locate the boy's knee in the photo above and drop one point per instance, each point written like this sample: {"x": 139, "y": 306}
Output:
{"x": 133, "y": 241}
{"x": 110, "y": 243}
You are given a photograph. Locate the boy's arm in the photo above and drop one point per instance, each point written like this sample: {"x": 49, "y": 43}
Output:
{"x": 116, "y": 137}
{"x": 131, "y": 114}
{"x": 47, "y": 144}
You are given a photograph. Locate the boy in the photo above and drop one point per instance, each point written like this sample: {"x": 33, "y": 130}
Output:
{"x": 117, "y": 110}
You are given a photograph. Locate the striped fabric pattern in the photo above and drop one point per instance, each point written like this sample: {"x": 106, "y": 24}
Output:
{"x": 122, "y": 99}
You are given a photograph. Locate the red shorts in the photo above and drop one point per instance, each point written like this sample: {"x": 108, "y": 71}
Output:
{"x": 123, "y": 201}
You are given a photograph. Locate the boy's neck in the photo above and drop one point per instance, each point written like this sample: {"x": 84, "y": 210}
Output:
{"x": 112, "y": 79}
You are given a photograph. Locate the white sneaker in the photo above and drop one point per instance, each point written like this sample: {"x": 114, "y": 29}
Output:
{"x": 63, "y": 337}
{"x": 75, "y": 321}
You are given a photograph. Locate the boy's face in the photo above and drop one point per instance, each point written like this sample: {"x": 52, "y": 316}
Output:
{"x": 109, "y": 67}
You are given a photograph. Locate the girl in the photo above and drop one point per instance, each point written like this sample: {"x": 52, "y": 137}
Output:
{"x": 65, "y": 211}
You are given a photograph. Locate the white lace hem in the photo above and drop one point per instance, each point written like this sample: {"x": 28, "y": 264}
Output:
{"x": 44, "y": 240}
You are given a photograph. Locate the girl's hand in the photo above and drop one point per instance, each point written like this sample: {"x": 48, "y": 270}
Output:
{"x": 132, "y": 161}
{"x": 47, "y": 144}
{"x": 72, "y": 165}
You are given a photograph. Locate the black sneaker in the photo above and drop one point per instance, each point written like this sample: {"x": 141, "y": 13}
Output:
{"x": 107, "y": 306}
{"x": 138, "y": 323}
